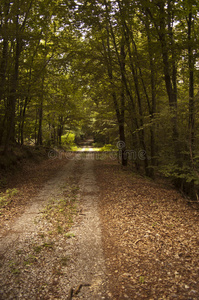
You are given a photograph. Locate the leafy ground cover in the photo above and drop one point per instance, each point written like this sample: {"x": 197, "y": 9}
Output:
{"x": 150, "y": 237}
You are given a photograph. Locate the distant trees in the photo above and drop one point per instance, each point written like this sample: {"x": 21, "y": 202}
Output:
{"x": 149, "y": 50}
{"x": 37, "y": 87}
{"x": 98, "y": 65}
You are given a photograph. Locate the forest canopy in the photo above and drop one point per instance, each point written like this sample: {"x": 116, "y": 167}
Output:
{"x": 118, "y": 70}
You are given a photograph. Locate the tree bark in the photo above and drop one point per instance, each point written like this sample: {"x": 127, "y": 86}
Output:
{"x": 40, "y": 117}
{"x": 168, "y": 65}
{"x": 13, "y": 92}
{"x": 153, "y": 98}
{"x": 191, "y": 81}
{"x": 119, "y": 111}
{"x": 139, "y": 100}
{"x": 3, "y": 68}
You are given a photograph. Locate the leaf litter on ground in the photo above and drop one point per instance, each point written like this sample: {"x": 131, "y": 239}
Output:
{"x": 150, "y": 237}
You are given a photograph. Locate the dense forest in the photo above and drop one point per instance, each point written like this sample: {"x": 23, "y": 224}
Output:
{"x": 118, "y": 70}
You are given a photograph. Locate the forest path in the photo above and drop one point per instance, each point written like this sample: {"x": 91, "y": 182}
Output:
{"x": 89, "y": 266}
{"x": 37, "y": 263}
{"x": 131, "y": 237}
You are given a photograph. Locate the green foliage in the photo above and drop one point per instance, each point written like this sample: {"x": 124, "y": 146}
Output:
{"x": 186, "y": 173}
{"x": 3, "y": 201}
{"x": 13, "y": 268}
{"x": 108, "y": 147}
{"x": 60, "y": 229}
{"x": 30, "y": 259}
{"x": 68, "y": 140}
{"x": 46, "y": 245}
{"x": 6, "y": 198}
{"x": 142, "y": 279}
{"x": 69, "y": 235}
{"x": 115, "y": 71}
{"x": 11, "y": 192}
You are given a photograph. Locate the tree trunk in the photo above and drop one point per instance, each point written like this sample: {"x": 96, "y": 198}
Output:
{"x": 119, "y": 111}
{"x": 170, "y": 80}
{"x": 3, "y": 67}
{"x": 137, "y": 91}
{"x": 40, "y": 115}
{"x": 153, "y": 98}
{"x": 60, "y": 130}
{"x": 23, "y": 120}
{"x": 191, "y": 82}
{"x": 12, "y": 98}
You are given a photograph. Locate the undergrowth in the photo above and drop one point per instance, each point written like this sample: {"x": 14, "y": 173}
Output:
{"x": 6, "y": 197}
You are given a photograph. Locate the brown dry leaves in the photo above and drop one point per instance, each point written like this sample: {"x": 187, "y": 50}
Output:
{"x": 150, "y": 235}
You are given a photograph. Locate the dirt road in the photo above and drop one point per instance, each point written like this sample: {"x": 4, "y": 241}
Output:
{"x": 37, "y": 264}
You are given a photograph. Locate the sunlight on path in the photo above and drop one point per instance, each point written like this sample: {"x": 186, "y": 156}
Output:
{"x": 89, "y": 149}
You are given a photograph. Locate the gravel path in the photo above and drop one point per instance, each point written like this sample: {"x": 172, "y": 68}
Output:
{"x": 25, "y": 225}
{"x": 34, "y": 265}
{"x": 89, "y": 266}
